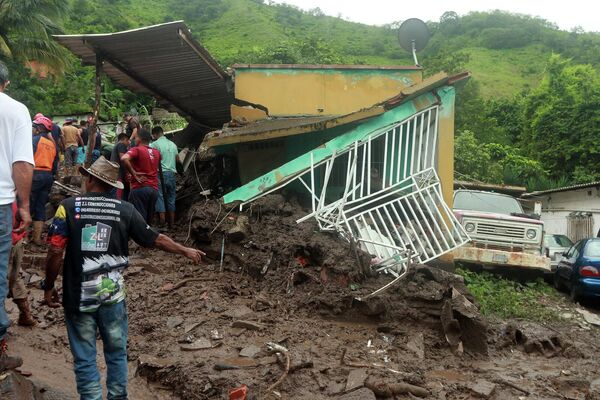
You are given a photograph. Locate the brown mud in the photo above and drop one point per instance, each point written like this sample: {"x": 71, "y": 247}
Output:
{"x": 199, "y": 331}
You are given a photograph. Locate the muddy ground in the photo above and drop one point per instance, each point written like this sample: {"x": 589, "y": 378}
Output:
{"x": 197, "y": 332}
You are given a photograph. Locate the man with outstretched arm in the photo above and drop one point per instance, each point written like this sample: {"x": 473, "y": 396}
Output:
{"x": 16, "y": 173}
{"x": 94, "y": 229}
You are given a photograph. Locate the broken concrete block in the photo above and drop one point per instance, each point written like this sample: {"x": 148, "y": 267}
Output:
{"x": 252, "y": 326}
{"x": 238, "y": 312}
{"x": 483, "y": 388}
{"x": 250, "y": 351}
{"x": 335, "y": 388}
{"x": 360, "y": 394}
{"x": 199, "y": 344}
{"x": 356, "y": 379}
{"x": 174, "y": 322}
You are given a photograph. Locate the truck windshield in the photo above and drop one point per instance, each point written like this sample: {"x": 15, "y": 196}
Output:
{"x": 486, "y": 202}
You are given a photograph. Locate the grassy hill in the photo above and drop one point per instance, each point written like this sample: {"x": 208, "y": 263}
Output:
{"x": 507, "y": 53}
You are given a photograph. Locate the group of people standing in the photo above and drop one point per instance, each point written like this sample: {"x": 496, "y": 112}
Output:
{"x": 89, "y": 234}
{"x": 147, "y": 168}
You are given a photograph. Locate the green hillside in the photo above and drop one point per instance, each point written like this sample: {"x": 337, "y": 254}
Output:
{"x": 530, "y": 115}
{"x": 507, "y": 53}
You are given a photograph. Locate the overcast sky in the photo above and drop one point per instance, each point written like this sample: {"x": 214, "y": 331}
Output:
{"x": 566, "y": 14}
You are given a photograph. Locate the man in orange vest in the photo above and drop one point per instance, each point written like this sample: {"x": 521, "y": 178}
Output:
{"x": 44, "y": 155}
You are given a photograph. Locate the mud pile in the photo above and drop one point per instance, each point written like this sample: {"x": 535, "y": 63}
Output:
{"x": 271, "y": 280}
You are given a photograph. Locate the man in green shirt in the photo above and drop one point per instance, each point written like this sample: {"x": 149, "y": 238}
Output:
{"x": 169, "y": 160}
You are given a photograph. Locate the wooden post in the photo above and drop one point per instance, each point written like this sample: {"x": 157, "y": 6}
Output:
{"x": 92, "y": 128}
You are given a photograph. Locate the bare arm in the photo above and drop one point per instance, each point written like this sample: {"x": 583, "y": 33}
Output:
{"x": 22, "y": 174}
{"x": 126, "y": 160}
{"x": 167, "y": 244}
{"x": 134, "y": 135}
{"x": 79, "y": 139}
{"x": 53, "y": 264}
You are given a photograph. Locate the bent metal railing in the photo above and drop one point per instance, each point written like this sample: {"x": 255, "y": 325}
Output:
{"x": 383, "y": 193}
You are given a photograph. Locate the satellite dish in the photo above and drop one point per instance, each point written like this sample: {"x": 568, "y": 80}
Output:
{"x": 413, "y": 36}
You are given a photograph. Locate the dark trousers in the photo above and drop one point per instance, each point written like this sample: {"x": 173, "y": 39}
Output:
{"x": 144, "y": 200}
{"x": 40, "y": 191}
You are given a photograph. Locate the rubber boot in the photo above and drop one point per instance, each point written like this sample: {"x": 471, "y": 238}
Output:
{"x": 38, "y": 227}
{"x": 6, "y": 361}
{"x": 25, "y": 318}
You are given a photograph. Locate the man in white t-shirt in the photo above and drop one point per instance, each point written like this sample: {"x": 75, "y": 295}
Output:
{"x": 16, "y": 174}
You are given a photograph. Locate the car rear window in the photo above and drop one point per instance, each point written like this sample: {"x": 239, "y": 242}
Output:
{"x": 592, "y": 249}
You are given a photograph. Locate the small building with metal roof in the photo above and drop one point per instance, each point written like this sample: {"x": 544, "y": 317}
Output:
{"x": 570, "y": 210}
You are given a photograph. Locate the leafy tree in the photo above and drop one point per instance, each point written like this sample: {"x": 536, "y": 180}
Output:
{"x": 563, "y": 120}
{"x": 26, "y": 29}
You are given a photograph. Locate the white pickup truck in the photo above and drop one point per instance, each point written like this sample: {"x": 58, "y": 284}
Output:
{"x": 501, "y": 234}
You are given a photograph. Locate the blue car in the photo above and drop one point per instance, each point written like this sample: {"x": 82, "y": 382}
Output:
{"x": 579, "y": 270}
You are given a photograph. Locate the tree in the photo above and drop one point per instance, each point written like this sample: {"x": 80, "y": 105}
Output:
{"x": 563, "y": 120}
{"x": 26, "y": 29}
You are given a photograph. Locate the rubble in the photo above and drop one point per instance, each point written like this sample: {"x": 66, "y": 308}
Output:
{"x": 356, "y": 379}
{"x": 15, "y": 387}
{"x": 482, "y": 388}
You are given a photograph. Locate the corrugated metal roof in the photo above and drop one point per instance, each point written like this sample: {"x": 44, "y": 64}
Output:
{"x": 165, "y": 62}
{"x": 562, "y": 189}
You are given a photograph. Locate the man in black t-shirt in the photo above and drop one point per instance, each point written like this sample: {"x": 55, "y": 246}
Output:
{"x": 94, "y": 229}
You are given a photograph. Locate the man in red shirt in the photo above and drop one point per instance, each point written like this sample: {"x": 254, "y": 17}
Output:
{"x": 143, "y": 162}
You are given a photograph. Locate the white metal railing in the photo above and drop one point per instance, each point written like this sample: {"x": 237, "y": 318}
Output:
{"x": 383, "y": 192}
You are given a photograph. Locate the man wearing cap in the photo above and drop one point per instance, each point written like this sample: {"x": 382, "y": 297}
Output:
{"x": 44, "y": 154}
{"x": 94, "y": 229}
{"x": 71, "y": 139}
{"x": 16, "y": 172}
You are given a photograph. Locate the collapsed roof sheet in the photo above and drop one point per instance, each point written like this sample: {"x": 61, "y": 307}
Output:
{"x": 165, "y": 62}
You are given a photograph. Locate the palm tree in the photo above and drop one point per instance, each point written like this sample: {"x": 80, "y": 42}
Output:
{"x": 26, "y": 29}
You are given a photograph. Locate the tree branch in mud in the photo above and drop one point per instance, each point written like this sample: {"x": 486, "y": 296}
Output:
{"x": 275, "y": 348}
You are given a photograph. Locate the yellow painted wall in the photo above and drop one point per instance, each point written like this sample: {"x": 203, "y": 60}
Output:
{"x": 293, "y": 91}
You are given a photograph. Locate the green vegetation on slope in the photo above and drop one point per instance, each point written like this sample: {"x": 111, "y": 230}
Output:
{"x": 518, "y": 121}
{"x": 505, "y": 298}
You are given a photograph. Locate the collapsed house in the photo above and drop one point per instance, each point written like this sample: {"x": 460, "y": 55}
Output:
{"x": 369, "y": 147}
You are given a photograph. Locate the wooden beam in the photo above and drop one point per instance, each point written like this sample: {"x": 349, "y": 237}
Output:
{"x": 93, "y": 126}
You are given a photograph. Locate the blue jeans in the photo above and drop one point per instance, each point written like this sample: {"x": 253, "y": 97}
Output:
{"x": 111, "y": 321}
{"x": 40, "y": 191}
{"x": 144, "y": 200}
{"x": 5, "y": 245}
{"x": 169, "y": 191}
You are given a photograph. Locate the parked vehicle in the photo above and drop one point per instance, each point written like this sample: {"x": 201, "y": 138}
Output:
{"x": 501, "y": 234}
{"x": 555, "y": 246}
{"x": 579, "y": 270}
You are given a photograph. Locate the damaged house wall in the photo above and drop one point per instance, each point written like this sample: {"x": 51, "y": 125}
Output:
{"x": 376, "y": 184}
{"x": 294, "y": 90}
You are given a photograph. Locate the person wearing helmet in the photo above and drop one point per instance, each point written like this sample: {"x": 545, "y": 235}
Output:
{"x": 44, "y": 154}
